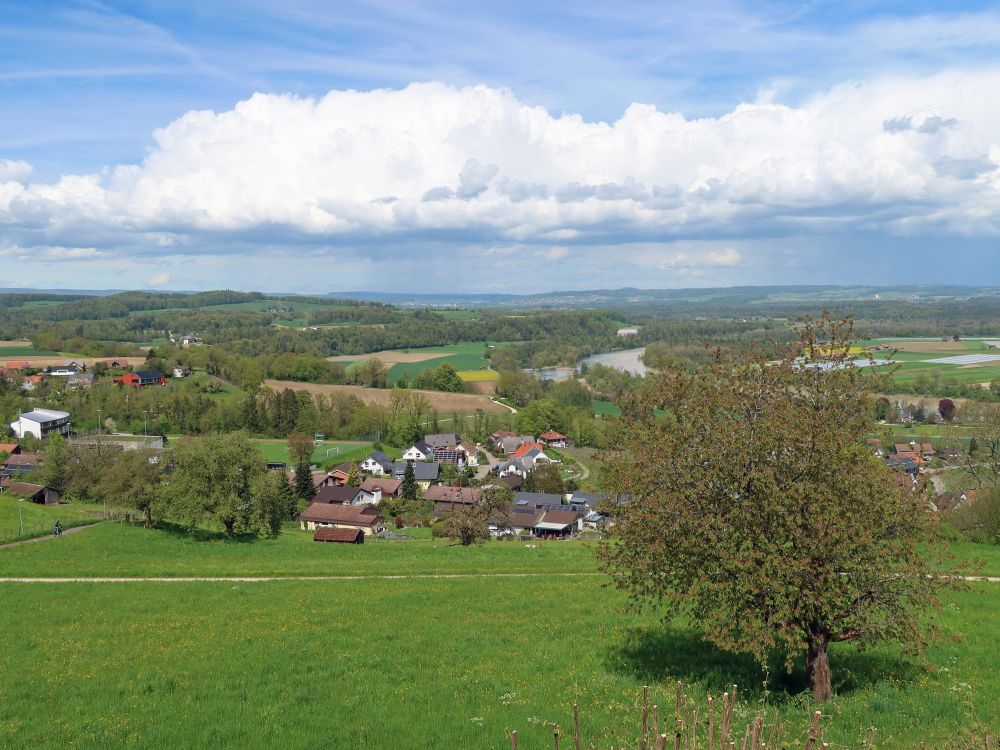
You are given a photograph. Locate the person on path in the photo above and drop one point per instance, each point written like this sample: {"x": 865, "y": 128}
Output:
{"x": 58, "y": 529}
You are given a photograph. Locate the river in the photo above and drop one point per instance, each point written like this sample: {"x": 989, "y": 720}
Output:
{"x": 627, "y": 360}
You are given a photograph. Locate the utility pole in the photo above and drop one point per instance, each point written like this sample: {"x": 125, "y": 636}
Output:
{"x": 20, "y": 518}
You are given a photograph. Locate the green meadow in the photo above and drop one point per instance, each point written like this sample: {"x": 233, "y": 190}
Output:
{"x": 25, "y": 351}
{"x": 409, "y": 662}
{"x": 327, "y": 452}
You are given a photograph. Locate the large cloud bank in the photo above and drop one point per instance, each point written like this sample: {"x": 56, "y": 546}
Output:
{"x": 899, "y": 155}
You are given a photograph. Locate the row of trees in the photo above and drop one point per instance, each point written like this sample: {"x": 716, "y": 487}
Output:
{"x": 219, "y": 480}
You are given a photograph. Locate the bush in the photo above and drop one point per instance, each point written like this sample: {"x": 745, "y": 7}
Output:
{"x": 979, "y": 520}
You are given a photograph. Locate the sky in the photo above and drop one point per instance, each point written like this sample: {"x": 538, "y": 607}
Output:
{"x": 497, "y": 147}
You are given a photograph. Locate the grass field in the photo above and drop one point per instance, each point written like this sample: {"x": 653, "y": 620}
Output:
{"x": 478, "y": 376}
{"x": 25, "y": 351}
{"x": 462, "y": 403}
{"x": 463, "y": 357}
{"x": 37, "y": 518}
{"x": 912, "y": 355}
{"x": 410, "y": 663}
{"x": 329, "y": 451}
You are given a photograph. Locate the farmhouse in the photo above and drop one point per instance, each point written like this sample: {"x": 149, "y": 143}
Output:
{"x": 141, "y": 379}
{"x": 319, "y": 515}
{"x": 41, "y": 423}
{"x": 341, "y": 536}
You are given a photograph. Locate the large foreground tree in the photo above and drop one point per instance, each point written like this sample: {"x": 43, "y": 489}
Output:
{"x": 757, "y": 510}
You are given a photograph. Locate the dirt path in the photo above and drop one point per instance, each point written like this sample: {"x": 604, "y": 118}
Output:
{"x": 406, "y": 577}
{"x": 66, "y": 532}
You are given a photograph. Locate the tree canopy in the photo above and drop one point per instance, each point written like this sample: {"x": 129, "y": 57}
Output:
{"x": 756, "y": 509}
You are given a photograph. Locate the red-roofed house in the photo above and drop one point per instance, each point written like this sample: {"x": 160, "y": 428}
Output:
{"x": 555, "y": 439}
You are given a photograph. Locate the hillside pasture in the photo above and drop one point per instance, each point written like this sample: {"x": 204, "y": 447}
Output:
{"x": 462, "y": 403}
{"x": 455, "y": 661}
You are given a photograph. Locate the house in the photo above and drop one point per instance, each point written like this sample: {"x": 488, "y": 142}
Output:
{"x": 499, "y": 436}
{"x": 141, "y": 379}
{"x": 555, "y": 439}
{"x": 80, "y": 380}
{"x": 276, "y": 466}
{"x": 18, "y": 464}
{"x": 449, "y": 498}
{"x": 30, "y": 382}
{"x": 509, "y": 445}
{"x": 36, "y": 493}
{"x": 340, "y": 473}
{"x": 626, "y": 332}
{"x": 419, "y": 451}
{"x": 515, "y": 467}
{"x": 341, "y": 536}
{"x": 41, "y": 423}
{"x": 447, "y": 448}
{"x": 333, "y": 515}
{"x": 514, "y": 481}
{"x": 344, "y": 495}
{"x": 382, "y": 487}
{"x": 181, "y": 372}
{"x": 471, "y": 453}
{"x": 537, "y": 499}
{"x": 425, "y": 473}
{"x": 377, "y": 464}
{"x": 558, "y": 523}
{"x": 112, "y": 364}
{"x": 876, "y": 446}
{"x": 64, "y": 371}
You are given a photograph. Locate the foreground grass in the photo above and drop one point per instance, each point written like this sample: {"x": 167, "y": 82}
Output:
{"x": 421, "y": 664}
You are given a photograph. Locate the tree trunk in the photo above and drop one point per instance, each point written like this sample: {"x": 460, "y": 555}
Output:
{"x": 818, "y": 668}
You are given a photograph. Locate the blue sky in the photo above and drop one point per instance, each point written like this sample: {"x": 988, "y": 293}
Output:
{"x": 301, "y": 146}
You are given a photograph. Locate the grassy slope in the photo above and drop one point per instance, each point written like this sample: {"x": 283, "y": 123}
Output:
{"x": 408, "y": 663}
{"x": 37, "y": 518}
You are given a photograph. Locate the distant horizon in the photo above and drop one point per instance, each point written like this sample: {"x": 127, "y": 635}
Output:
{"x": 515, "y": 148}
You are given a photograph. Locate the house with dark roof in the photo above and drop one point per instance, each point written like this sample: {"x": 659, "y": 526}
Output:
{"x": 425, "y": 473}
{"x": 339, "y": 536}
{"x": 332, "y": 515}
{"x": 419, "y": 451}
{"x": 377, "y": 464}
{"x": 141, "y": 379}
{"x": 537, "y": 499}
{"x": 446, "y": 499}
{"x": 344, "y": 495}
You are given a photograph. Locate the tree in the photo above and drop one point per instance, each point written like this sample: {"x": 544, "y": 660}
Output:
{"x": 56, "y": 465}
{"x": 304, "y": 486}
{"x": 946, "y": 408}
{"x": 983, "y": 459}
{"x": 131, "y": 479}
{"x": 546, "y": 477}
{"x": 408, "y": 489}
{"x": 269, "y": 502}
{"x": 301, "y": 447}
{"x": 354, "y": 476}
{"x": 470, "y": 524}
{"x": 215, "y": 479}
{"x": 768, "y": 521}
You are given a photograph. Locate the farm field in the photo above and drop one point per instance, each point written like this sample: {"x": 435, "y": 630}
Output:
{"x": 965, "y": 361}
{"x": 327, "y": 452}
{"x": 463, "y": 403}
{"x": 439, "y": 662}
{"x": 466, "y": 357}
{"x": 24, "y": 352}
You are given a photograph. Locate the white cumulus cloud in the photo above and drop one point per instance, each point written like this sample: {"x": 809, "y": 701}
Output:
{"x": 896, "y": 154}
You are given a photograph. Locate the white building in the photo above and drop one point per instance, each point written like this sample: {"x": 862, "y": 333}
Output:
{"x": 41, "y": 423}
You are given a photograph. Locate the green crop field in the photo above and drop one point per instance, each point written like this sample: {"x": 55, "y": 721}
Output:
{"x": 25, "y": 351}
{"x": 408, "y": 662}
{"x": 468, "y": 356}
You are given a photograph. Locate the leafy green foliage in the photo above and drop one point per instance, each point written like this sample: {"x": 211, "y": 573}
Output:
{"x": 756, "y": 508}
